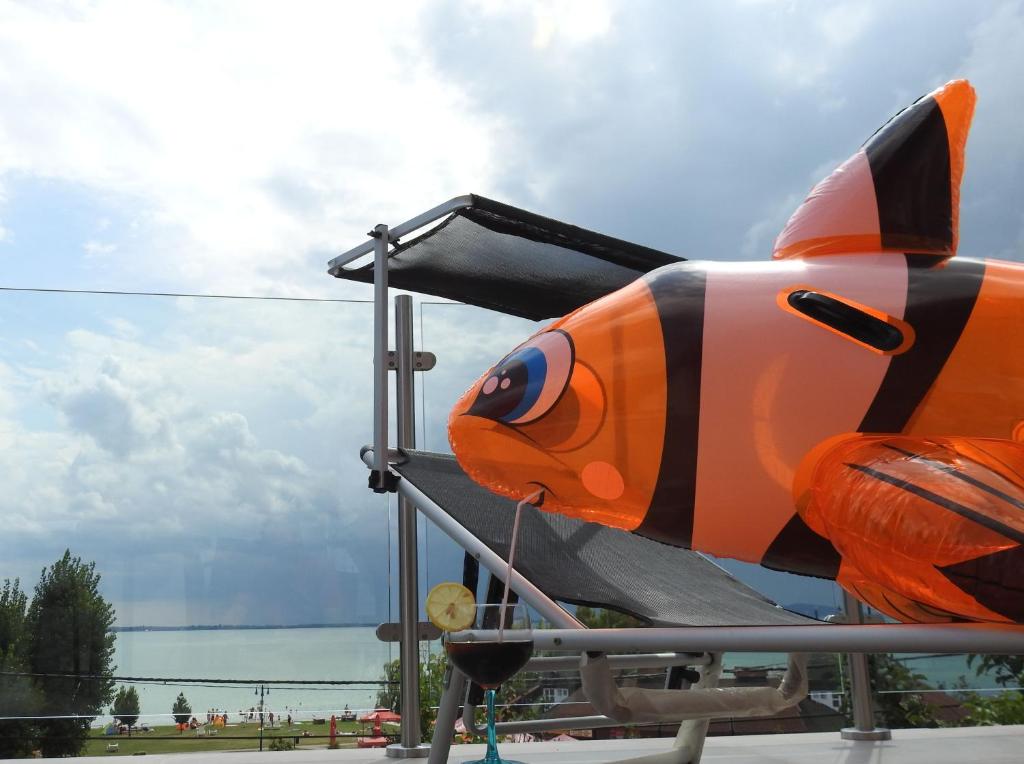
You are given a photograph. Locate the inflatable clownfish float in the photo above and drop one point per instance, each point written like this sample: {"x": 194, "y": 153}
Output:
{"x": 852, "y": 409}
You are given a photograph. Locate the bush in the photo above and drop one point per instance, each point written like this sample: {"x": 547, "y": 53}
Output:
{"x": 1003, "y": 708}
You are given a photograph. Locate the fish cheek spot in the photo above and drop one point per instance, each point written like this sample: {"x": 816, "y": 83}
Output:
{"x": 603, "y": 480}
{"x": 1018, "y": 432}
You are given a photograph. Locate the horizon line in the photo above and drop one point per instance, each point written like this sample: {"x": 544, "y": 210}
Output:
{"x": 240, "y": 626}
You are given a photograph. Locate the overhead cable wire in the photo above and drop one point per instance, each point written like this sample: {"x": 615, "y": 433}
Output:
{"x": 119, "y": 292}
{"x": 202, "y": 680}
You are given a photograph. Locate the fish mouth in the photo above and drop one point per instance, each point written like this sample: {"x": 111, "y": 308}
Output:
{"x": 544, "y": 495}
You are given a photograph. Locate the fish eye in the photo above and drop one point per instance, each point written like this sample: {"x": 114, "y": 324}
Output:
{"x": 528, "y": 382}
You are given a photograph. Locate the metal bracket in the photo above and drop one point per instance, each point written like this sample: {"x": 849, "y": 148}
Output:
{"x": 392, "y": 632}
{"x": 386, "y": 482}
{"x": 421, "y": 361}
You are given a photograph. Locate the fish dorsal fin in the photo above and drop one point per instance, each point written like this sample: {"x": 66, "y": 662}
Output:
{"x": 899, "y": 193}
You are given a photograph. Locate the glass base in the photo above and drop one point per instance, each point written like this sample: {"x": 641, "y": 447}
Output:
{"x": 493, "y": 761}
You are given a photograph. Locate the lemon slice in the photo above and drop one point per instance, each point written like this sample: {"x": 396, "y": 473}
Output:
{"x": 451, "y": 607}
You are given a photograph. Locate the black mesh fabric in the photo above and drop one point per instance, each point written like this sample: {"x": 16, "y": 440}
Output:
{"x": 502, "y": 258}
{"x": 588, "y": 564}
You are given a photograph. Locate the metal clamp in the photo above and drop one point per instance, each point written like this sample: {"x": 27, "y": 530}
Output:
{"x": 421, "y": 361}
{"x": 383, "y": 482}
{"x": 392, "y": 632}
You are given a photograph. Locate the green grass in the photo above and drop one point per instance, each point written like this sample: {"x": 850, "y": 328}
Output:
{"x": 167, "y": 739}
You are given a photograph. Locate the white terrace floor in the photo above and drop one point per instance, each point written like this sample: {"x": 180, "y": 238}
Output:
{"x": 991, "y": 745}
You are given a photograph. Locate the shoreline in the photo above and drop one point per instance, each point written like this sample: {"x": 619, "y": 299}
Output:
{"x": 241, "y": 627}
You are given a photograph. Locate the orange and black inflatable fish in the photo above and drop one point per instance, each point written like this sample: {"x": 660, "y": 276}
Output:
{"x": 852, "y": 409}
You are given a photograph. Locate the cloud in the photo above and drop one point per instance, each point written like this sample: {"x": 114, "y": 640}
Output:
{"x": 110, "y": 413}
{"x": 248, "y": 139}
{"x": 684, "y": 126}
{"x": 180, "y": 452}
{"x": 248, "y": 142}
{"x": 992, "y": 221}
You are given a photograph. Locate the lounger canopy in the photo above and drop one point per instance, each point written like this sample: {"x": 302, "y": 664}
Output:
{"x": 660, "y": 584}
{"x": 499, "y": 257}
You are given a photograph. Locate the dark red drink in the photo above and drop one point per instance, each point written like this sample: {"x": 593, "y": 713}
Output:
{"x": 490, "y": 663}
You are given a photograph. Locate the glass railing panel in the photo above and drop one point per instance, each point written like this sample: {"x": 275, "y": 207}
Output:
{"x": 204, "y": 455}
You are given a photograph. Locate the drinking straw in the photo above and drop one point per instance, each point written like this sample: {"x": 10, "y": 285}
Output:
{"x": 511, "y": 558}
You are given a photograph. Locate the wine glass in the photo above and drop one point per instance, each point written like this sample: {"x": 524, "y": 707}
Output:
{"x": 491, "y": 662}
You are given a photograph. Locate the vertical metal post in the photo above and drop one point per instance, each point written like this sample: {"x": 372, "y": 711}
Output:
{"x": 860, "y": 685}
{"x": 263, "y": 689}
{"x": 447, "y": 713}
{"x": 380, "y": 355}
{"x": 408, "y": 583}
{"x": 693, "y": 732}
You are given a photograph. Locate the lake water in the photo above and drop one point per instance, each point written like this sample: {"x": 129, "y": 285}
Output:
{"x": 940, "y": 671}
{"x": 290, "y": 654}
{"x": 352, "y": 653}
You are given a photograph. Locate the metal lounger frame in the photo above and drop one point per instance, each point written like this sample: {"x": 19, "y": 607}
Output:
{"x": 710, "y": 641}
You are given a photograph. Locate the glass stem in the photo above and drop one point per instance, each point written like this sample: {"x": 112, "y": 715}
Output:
{"x": 492, "y": 743}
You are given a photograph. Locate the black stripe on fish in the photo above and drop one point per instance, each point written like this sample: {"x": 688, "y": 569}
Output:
{"x": 954, "y": 506}
{"x": 798, "y": 549}
{"x": 910, "y": 167}
{"x": 940, "y": 297}
{"x": 955, "y": 473}
{"x": 993, "y": 580}
{"x": 678, "y": 293}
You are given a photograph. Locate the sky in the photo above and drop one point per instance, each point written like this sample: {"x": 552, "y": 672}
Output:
{"x": 205, "y": 452}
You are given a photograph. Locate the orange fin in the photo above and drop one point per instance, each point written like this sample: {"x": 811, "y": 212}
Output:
{"x": 934, "y": 524}
{"x": 899, "y": 193}
{"x": 891, "y": 603}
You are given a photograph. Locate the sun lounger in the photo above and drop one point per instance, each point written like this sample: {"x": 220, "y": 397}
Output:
{"x": 491, "y": 255}
{"x": 561, "y": 560}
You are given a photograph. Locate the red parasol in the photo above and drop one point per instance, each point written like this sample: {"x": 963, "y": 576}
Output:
{"x": 381, "y": 715}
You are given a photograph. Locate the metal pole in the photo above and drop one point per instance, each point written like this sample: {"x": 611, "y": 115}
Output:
{"x": 693, "y": 732}
{"x": 380, "y": 355}
{"x": 262, "y": 689}
{"x": 409, "y": 607}
{"x": 860, "y": 684}
{"x": 447, "y": 714}
{"x": 822, "y": 638}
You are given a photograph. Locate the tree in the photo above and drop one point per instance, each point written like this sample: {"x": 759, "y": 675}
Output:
{"x": 18, "y": 694}
{"x": 126, "y": 707}
{"x": 1008, "y": 669}
{"x": 899, "y": 709}
{"x": 69, "y": 646}
{"x": 182, "y": 710}
{"x": 432, "y": 670}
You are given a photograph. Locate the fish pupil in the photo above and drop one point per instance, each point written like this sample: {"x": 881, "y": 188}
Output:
{"x": 504, "y": 396}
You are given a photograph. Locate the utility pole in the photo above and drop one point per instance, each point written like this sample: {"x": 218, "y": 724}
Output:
{"x": 263, "y": 689}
